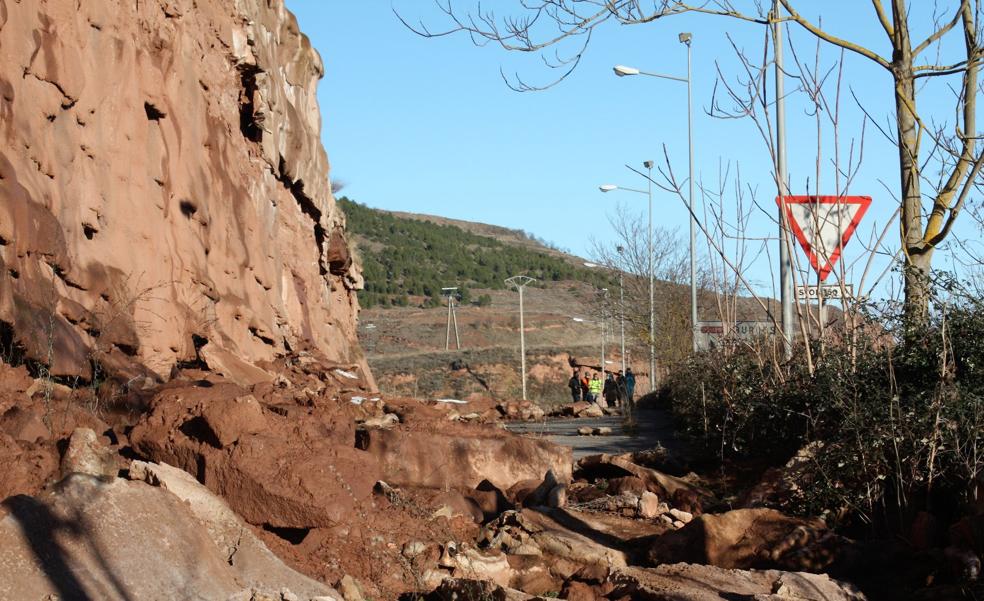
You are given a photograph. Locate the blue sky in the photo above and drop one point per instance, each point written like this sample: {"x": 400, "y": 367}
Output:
{"x": 427, "y": 125}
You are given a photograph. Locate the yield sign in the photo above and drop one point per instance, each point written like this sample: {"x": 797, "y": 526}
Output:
{"x": 823, "y": 225}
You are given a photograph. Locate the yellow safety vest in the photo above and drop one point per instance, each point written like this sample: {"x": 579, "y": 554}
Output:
{"x": 594, "y": 386}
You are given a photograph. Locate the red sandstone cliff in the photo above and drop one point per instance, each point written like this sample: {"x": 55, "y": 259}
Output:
{"x": 164, "y": 196}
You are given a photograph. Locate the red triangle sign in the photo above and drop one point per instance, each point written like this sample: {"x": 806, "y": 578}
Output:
{"x": 823, "y": 225}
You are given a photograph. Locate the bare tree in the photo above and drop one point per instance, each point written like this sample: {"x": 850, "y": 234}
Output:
{"x": 627, "y": 257}
{"x": 926, "y": 146}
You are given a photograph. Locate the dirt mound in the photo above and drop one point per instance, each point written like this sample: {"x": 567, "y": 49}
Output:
{"x": 279, "y": 464}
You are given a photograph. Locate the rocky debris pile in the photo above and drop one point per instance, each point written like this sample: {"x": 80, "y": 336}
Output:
{"x": 300, "y": 459}
{"x": 539, "y": 550}
{"x": 526, "y": 411}
{"x": 616, "y": 484}
{"x": 583, "y": 409}
{"x": 678, "y": 582}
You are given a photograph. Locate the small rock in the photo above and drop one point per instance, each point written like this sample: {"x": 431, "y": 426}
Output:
{"x": 86, "y": 455}
{"x": 666, "y": 519}
{"x": 350, "y": 589}
{"x": 682, "y": 516}
{"x": 557, "y": 497}
{"x": 648, "y": 505}
{"x": 678, "y": 524}
{"x": 585, "y": 431}
{"x": 594, "y": 573}
{"x": 413, "y": 549}
{"x": 432, "y": 579}
{"x": 287, "y": 595}
{"x": 527, "y": 549}
{"x": 592, "y": 411}
{"x": 447, "y": 556}
{"x": 603, "y": 431}
{"x": 382, "y": 423}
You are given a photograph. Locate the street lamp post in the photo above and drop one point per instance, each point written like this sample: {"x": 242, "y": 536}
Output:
{"x": 621, "y": 309}
{"x": 621, "y": 305}
{"x": 520, "y": 282}
{"x": 652, "y": 309}
{"x": 622, "y": 71}
{"x": 601, "y": 324}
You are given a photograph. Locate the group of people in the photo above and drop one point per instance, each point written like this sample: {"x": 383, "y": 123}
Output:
{"x": 614, "y": 391}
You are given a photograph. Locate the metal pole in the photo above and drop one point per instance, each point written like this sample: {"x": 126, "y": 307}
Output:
{"x": 693, "y": 223}
{"x": 652, "y": 309}
{"x": 621, "y": 317}
{"x": 454, "y": 320}
{"x": 522, "y": 340}
{"x": 447, "y": 334}
{"x": 601, "y": 322}
{"x": 520, "y": 282}
{"x": 785, "y": 268}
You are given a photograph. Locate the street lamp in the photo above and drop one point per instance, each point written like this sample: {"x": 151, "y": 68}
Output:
{"x": 623, "y": 71}
{"x": 520, "y": 282}
{"x": 652, "y": 309}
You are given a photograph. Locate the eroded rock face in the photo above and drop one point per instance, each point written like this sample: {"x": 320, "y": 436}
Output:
{"x": 163, "y": 189}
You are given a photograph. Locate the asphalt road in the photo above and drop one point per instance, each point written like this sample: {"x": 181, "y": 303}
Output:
{"x": 654, "y": 428}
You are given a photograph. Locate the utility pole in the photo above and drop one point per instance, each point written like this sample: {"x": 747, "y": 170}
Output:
{"x": 621, "y": 317}
{"x": 370, "y": 342}
{"x": 450, "y": 293}
{"x": 520, "y": 282}
{"x": 603, "y": 320}
{"x": 652, "y": 308}
{"x": 685, "y": 38}
{"x": 785, "y": 267}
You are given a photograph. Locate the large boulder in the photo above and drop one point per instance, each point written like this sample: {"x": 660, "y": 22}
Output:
{"x": 251, "y": 561}
{"x": 683, "y": 582}
{"x": 464, "y": 456}
{"x": 118, "y": 540}
{"x": 748, "y": 538}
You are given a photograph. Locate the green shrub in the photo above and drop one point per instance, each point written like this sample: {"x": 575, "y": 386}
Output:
{"x": 896, "y": 418}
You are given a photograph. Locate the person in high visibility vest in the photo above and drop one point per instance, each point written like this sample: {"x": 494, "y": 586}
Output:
{"x": 594, "y": 388}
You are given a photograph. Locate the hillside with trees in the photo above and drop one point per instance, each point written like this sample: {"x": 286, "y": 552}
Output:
{"x": 406, "y": 261}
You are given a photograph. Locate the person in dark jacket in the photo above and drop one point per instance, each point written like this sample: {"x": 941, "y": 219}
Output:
{"x": 629, "y": 384}
{"x": 620, "y": 387}
{"x": 575, "y": 385}
{"x": 611, "y": 391}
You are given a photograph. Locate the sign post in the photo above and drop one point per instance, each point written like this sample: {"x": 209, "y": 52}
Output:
{"x": 823, "y": 225}
{"x": 712, "y": 334}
